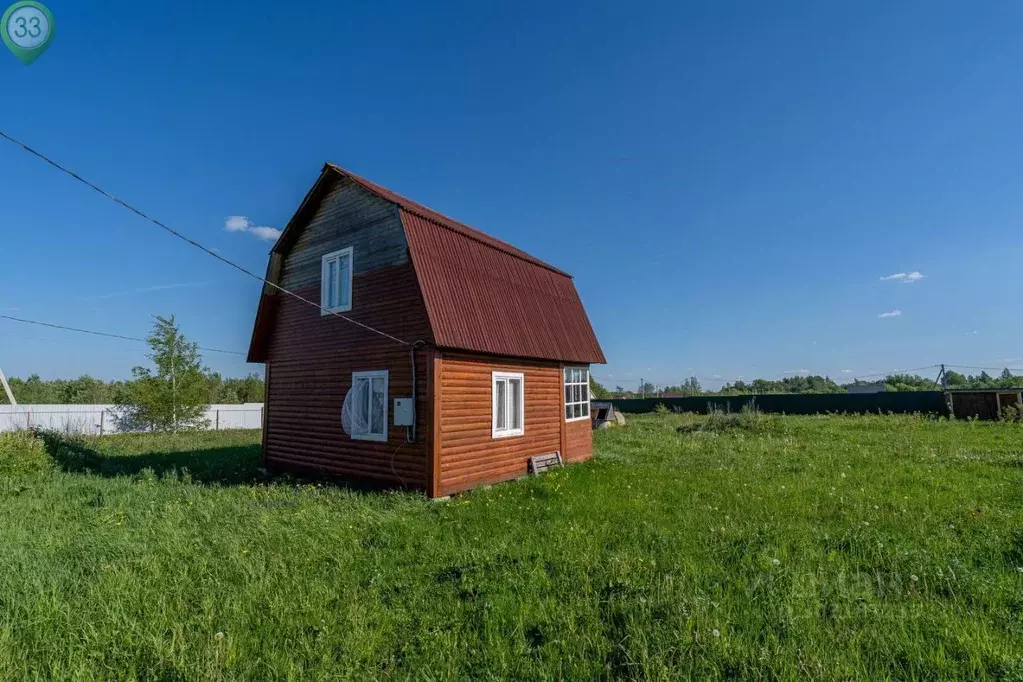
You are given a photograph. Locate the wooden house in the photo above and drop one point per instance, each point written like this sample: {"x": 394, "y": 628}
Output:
{"x": 465, "y": 355}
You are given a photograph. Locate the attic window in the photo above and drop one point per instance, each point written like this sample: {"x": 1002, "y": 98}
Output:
{"x": 336, "y": 282}
{"x": 508, "y": 403}
{"x": 577, "y": 393}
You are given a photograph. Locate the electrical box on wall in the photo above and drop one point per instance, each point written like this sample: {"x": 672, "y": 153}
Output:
{"x": 403, "y": 411}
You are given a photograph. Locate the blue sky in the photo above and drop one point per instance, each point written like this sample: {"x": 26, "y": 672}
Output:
{"x": 728, "y": 182}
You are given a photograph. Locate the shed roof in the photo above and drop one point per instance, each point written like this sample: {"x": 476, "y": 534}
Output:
{"x": 481, "y": 294}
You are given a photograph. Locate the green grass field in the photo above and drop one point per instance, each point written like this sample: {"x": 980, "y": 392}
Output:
{"x": 785, "y": 548}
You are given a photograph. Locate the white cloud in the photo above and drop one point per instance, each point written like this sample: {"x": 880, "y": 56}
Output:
{"x": 796, "y": 371}
{"x": 239, "y": 223}
{"x": 973, "y": 333}
{"x": 846, "y": 371}
{"x": 893, "y": 313}
{"x": 905, "y": 277}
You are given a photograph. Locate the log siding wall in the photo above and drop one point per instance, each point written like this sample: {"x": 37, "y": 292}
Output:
{"x": 311, "y": 363}
{"x": 467, "y": 453}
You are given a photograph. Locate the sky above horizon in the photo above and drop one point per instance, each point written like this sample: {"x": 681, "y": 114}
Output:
{"x": 740, "y": 189}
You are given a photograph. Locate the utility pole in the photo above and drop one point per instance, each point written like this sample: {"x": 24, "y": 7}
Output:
{"x": 642, "y": 388}
{"x": 174, "y": 381}
{"x": 7, "y": 389}
{"x": 941, "y": 377}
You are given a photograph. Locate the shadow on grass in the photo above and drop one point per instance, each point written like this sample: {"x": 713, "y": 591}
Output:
{"x": 226, "y": 465}
{"x": 238, "y": 465}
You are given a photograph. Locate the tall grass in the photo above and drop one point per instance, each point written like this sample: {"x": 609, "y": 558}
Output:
{"x": 807, "y": 548}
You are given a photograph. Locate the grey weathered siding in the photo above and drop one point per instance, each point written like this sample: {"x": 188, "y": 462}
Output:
{"x": 348, "y": 216}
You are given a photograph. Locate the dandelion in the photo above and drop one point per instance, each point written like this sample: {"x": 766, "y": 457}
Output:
{"x": 776, "y": 562}
{"x": 716, "y": 632}
{"x": 219, "y": 636}
{"x": 1019, "y": 569}
{"x": 914, "y": 578}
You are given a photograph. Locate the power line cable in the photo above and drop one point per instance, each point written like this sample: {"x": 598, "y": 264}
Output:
{"x": 993, "y": 369}
{"x": 184, "y": 238}
{"x": 108, "y": 335}
{"x": 896, "y": 371}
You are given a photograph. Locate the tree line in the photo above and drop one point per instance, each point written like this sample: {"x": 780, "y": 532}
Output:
{"x": 87, "y": 390}
{"x": 177, "y": 372}
{"x": 815, "y": 384}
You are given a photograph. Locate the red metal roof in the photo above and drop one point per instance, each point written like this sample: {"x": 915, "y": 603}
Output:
{"x": 481, "y": 294}
{"x": 442, "y": 220}
{"x": 482, "y": 298}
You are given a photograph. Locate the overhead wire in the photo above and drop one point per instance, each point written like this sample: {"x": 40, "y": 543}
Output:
{"x": 106, "y": 334}
{"x": 993, "y": 369}
{"x": 179, "y": 235}
{"x": 895, "y": 371}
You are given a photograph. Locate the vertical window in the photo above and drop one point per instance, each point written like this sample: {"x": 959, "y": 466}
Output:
{"x": 577, "y": 393}
{"x": 508, "y": 395}
{"x": 369, "y": 420}
{"x": 336, "y": 282}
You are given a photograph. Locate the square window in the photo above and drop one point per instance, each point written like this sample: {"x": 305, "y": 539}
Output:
{"x": 508, "y": 408}
{"x": 577, "y": 393}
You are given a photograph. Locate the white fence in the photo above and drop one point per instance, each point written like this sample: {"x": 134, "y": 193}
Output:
{"x": 99, "y": 419}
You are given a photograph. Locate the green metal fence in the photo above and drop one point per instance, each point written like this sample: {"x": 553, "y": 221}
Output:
{"x": 907, "y": 402}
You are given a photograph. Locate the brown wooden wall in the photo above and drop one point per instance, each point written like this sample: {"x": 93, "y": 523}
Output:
{"x": 467, "y": 453}
{"x": 578, "y": 441}
{"x": 311, "y": 360}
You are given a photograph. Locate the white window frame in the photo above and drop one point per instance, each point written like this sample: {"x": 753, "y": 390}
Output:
{"x": 586, "y": 388}
{"x": 370, "y": 376}
{"x": 507, "y": 432}
{"x": 324, "y": 264}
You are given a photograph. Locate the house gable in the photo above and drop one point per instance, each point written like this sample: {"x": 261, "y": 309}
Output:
{"x": 347, "y": 216}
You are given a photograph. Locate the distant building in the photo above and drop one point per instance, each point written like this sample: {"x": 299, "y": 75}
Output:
{"x": 866, "y": 388}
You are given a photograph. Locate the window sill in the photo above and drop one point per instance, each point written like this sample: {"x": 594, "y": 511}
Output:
{"x": 330, "y": 311}
{"x": 372, "y": 437}
{"x": 577, "y": 419}
{"x": 508, "y": 434}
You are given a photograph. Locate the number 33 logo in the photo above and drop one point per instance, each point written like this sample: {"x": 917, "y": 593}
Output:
{"x": 27, "y": 28}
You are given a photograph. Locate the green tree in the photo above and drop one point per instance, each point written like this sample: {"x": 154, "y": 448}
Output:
{"x": 175, "y": 394}
{"x": 691, "y": 387}
{"x": 909, "y": 382}
{"x": 955, "y": 379}
{"x": 597, "y": 390}
{"x": 251, "y": 389}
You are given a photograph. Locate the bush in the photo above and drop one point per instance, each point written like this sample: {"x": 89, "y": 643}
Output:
{"x": 722, "y": 419}
{"x": 1010, "y": 414}
{"x": 21, "y": 452}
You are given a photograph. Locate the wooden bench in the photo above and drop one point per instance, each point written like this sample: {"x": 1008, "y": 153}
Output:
{"x": 541, "y": 463}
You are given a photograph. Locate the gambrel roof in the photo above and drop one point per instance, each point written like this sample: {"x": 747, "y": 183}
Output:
{"x": 481, "y": 294}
